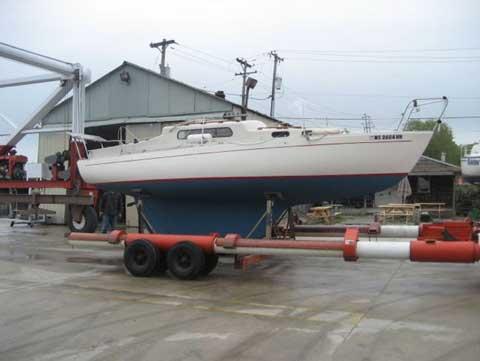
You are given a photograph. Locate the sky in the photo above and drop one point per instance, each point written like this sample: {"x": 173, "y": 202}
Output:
{"x": 342, "y": 58}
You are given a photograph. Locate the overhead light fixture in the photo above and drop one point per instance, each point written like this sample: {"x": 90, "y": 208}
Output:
{"x": 251, "y": 83}
{"x": 125, "y": 76}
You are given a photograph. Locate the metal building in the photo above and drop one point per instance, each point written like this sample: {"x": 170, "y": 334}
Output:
{"x": 133, "y": 102}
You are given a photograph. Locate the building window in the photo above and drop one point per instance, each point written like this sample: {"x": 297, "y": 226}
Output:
{"x": 223, "y": 132}
{"x": 281, "y": 134}
{"x": 423, "y": 185}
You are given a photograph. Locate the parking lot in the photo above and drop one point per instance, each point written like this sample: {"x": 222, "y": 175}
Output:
{"x": 60, "y": 302}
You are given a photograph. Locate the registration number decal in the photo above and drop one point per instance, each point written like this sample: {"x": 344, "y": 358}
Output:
{"x": 387, "y": 137}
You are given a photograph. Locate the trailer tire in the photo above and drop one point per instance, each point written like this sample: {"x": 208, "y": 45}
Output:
{"x": 141, "y": 258}
{"x": 88, "y": 222}
{"x": 185, "y": 260}
{"x": 211, "y": 261}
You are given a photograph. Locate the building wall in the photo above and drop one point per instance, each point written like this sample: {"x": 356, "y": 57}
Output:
{"x": 437, "y": 189}
{"x": 146, "y": 95}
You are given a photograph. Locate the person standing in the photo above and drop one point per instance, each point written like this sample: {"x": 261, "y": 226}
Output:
{"x": 110, "y": 208}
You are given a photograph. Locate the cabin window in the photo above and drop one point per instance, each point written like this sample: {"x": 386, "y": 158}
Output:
{"x": 473, "y": 161}
{"x": 281, "y": 134}
{"x": 223, "y": 132}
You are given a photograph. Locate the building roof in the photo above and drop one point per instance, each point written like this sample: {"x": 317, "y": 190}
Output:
{"x": 191, "y": 87}
{"x": 160, "y": 99}
{"x": 434, "y": 167}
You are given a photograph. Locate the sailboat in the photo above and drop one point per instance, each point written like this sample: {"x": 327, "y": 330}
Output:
{"x": 200, "y": 177}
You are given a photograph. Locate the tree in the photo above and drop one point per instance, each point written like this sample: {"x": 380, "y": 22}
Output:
{"x": 441, "y": 142}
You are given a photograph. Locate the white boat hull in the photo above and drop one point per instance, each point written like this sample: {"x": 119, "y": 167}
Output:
{"x": 471, "y": 168}
{"x": 335, "y": 156}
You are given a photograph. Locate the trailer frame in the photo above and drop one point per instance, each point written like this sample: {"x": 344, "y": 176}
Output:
{"x": 191, "y": 256}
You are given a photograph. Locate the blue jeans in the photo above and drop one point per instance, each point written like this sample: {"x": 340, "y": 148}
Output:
{"x": 108, "y": 223}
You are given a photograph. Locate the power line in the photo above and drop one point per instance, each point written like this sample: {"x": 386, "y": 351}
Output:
{"x": 313, "y": 105}
{"x": 207, "y": 54}
{"x": 383, "y": 118}
{"x": 385, "y": 96}
{"x": 223, "y": 65}
{"x": 203, "y": 60}
{"x": 463, "y": 117}
{"x": 317, "y": 118}
{"x": 185, "y": 57}
{"x": 320, "y": 60}
{"x": 239, "y": 95}
{"x": 380, "y": 50}
{"x": 393, "y": 57}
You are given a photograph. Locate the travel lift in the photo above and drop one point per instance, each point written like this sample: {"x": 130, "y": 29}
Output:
{"x": 191, "y": 256}
{"x": 81, "y": 197}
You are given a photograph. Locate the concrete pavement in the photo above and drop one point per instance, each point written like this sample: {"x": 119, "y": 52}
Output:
{"x": 64, "y": 303}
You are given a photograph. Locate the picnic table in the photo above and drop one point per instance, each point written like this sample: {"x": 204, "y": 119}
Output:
{"x": 409, "y": 213}
{"x": 438, "y": 208}
{"x": 404, "y": 212}
{"x": 326, "y": 213}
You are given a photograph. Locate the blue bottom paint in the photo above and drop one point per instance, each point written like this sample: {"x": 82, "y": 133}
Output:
{"x": 194, "y": 217}
{"x": 235, "y": 205}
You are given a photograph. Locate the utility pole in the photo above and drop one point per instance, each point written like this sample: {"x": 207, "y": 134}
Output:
{"x": 367, "y": 123}
{"x": 276, "y": 60}
{"x": 162, "y": 47}
{"x": 245, "y": 66}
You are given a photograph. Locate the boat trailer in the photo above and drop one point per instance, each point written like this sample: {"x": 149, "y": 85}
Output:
{"x": 191, "y": 256}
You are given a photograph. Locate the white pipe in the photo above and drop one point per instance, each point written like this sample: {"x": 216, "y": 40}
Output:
{"x": 278, "y": 251}
{"x": 47, "y": 130}
{"x": 399, "y": 231}
{"x": 44, "y": 78}
{"x": 387, "y": 250}
{"x": 34, "y": 59}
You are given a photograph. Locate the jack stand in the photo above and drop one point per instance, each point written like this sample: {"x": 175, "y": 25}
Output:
{"x": 268, "y": 215}
{"x": 269, "y": 218}
{"x": 290, "y": 231}
{"x": 142, "y": 219}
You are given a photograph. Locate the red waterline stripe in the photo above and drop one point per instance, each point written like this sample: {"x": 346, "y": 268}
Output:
{"x": 258, "y": 178}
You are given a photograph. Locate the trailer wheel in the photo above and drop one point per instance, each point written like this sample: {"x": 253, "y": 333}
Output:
{"x": 141, "y": 258}
{"x": 88, "y": 221}
{"x": 185, "y": 260}
{"x": 211, "y": 261}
